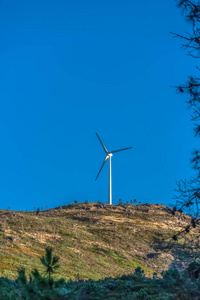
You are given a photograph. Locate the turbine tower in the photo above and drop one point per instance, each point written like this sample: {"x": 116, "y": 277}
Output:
{"x": 108, "y": 156}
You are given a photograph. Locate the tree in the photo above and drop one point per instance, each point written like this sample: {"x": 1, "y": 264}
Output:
{"x": 188, "y": 191}
{"x": 37, "y": 212}
{"x": 50, "y": 261}
{"x": 36, "y": 287}
{"x": 120, "y": 201}
{"x": 86, "y": 202}
{"x": 21, "y": 275}
{"x": 75, "y": 202}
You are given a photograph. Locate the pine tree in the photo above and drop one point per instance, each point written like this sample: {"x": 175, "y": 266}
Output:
{"x": 50, "y": 261}
{"x": 188, "y": 191}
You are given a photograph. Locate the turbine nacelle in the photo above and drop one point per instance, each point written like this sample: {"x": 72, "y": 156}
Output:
{"x": 108, "y": 155}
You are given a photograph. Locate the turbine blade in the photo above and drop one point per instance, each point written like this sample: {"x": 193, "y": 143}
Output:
{"x": 114, "y": 151}
{"x": 102, "y": 144}
{"x": 101, "y": 167}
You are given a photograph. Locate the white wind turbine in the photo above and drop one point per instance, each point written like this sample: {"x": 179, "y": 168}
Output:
{"x": 108, "y": 156}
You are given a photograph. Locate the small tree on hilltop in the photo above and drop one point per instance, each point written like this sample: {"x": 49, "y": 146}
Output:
{"x": 50, "y": 261}
{"x": 86, "y": 202}
{"x": 75, "y": 202}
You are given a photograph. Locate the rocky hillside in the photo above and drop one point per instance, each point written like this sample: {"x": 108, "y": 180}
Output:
{"x": 93, "y": 240}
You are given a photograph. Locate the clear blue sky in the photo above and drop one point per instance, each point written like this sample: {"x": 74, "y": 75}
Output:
{"x": 70, "y": 68}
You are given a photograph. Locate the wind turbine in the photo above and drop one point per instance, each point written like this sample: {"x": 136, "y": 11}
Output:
{"x": 108, "y": 156}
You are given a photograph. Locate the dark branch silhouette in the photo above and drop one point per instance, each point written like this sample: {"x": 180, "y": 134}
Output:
{"x": 188, "y": 191}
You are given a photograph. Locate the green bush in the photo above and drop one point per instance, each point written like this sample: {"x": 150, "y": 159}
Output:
{"x": 173, "y": 285}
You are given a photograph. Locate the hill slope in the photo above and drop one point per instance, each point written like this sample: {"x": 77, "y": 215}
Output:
{"x": 93, "y": 240}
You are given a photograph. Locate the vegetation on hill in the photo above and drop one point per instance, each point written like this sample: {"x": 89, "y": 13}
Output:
{"x": 172, "y": 285}
{"x": 93, "y": 241}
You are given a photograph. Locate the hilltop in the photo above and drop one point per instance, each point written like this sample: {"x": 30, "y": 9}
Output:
{"x": 93, "y": 240}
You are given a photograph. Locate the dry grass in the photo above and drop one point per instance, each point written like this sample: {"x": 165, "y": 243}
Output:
{"x": 94, "y": 242}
